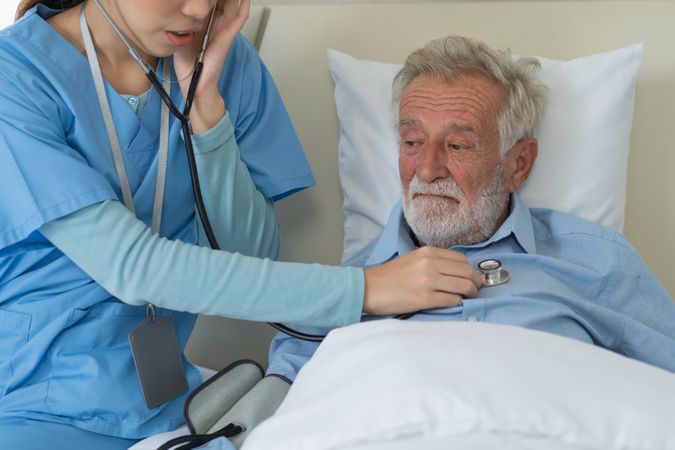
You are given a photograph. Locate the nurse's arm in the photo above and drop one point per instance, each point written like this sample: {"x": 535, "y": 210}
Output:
{"x": 120, "y": 253}
{"x": 242, "y": 219}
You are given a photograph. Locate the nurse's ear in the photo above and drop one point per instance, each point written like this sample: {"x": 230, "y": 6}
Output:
{"x": 519, "y": 161}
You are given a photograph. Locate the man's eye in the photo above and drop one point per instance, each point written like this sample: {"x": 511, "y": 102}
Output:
{"x": 456, "y": 147}
{"x": 411, "y": 144}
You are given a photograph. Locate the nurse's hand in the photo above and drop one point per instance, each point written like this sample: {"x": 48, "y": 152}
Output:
{"x": 426, "y": 278}
{"x": 209, "y": 107}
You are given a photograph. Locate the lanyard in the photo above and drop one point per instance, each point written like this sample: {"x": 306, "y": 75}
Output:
{"x": 153, "y": 342}
{"x": 112, "y": 132}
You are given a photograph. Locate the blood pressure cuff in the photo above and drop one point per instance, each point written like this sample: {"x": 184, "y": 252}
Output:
{"x": 238, "y": 395}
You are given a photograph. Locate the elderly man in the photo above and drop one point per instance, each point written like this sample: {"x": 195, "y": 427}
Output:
{"x": 467, "y": 120}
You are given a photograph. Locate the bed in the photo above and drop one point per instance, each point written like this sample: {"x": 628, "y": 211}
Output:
{"x": 552, "y": 393}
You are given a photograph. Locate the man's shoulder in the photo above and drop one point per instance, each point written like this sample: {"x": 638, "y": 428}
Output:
{"x": 551, "y": 224}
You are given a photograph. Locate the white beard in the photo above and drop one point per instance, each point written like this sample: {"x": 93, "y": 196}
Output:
{"x": 436, "y": 225}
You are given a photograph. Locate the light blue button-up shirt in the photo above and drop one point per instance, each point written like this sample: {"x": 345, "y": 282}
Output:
{"x": 568, "y": 276}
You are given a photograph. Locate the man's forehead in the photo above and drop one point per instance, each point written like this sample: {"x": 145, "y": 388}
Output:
{"x": 456, "y": 126}
{"x": 467, "y": 98}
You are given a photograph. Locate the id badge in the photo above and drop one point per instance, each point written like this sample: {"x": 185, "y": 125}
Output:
{"x": 157, "y": 358}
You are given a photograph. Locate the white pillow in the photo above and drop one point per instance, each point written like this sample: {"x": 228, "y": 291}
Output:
{"x": 583, "y": 140}
{"x": 7, "y": 11}
{"x": 393, "y": 380}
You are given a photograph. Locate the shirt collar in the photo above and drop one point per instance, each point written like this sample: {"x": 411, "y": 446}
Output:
{"x": 395, "y": 239}
{"x": 518, "y": 224}
{"x": 522, "y": 224}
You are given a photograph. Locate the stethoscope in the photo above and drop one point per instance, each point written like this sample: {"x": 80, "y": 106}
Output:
{"x": 184, "y": 118}
{"x": 491, "y": 269}
{"x": 493, "y": 272}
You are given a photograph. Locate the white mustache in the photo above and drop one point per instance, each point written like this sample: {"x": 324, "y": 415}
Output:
{"x": 445, "y": 187}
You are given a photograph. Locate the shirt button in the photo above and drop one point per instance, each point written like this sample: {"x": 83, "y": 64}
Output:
{"x": 133, "y": 101}
{"x": 472, "y": 319}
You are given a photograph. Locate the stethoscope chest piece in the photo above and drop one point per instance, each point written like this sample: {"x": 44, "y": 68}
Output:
{"x": 492, "y": 271}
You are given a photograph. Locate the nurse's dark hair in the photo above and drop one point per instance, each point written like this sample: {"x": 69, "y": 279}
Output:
{"x": 25, "y": 5}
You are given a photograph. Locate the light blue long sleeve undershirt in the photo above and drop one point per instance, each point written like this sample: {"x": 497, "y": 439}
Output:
{"x": 138, "y": 267}
{"x": 242, "y": 219}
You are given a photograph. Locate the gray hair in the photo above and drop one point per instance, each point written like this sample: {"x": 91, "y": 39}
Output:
{"x": 451, "y": 57}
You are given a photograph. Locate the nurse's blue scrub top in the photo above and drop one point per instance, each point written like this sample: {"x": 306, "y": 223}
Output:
{"x": 64, "y": 352}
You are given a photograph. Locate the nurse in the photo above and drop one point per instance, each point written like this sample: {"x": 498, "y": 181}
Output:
{"x": 97, "y": 216}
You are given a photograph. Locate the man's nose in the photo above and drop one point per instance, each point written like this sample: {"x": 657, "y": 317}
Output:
{"x": 198, "y": 9}
{"x": 432, "y": 164}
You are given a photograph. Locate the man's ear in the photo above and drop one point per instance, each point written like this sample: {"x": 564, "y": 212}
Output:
{"x": 519, "y": 162}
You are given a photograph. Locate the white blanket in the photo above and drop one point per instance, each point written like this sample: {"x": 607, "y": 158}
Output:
{"x": 395, "y": 385}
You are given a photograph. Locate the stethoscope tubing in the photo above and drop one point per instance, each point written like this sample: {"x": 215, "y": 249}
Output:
{"x": 184, "y": 118}
{"x": 186, "y": 128}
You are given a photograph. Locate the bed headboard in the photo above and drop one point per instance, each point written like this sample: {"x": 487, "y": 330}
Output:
{"x": 294, "y": 48}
